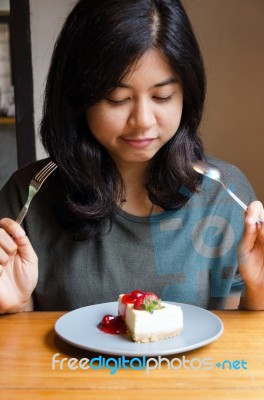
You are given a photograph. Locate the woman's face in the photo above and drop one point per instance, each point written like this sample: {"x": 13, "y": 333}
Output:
{"x": 142, "y": 114}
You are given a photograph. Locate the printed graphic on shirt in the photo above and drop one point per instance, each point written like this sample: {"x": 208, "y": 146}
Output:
{"x": 199, "y": 243}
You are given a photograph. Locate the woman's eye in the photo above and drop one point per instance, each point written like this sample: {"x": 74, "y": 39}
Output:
{"x": 162, "y": 99}
{"x": 117, "y": 102}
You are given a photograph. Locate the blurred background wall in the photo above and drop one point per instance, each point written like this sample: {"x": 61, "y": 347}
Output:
{"x": 231, "y": 36}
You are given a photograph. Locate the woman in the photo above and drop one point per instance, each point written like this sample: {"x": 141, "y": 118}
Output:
{"x": 125, "y": 210}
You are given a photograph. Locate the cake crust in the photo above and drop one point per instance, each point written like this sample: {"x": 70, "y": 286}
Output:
{"x": 153, "y": 338}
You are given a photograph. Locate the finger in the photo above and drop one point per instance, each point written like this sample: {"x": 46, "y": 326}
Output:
{"x": 252, "y": 229}
{"x": 255, "y": 212}
{"x": 11, "y": 227}
{"x": 4, "y": 258}
{"x": 248, "y": 241}
{"x": 7, "y": 243}
{"x": 18, "y": 234}
{"x": 25, "y": 248}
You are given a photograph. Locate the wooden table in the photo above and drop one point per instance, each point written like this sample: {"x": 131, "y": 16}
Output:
{"x": 28, "y": 343}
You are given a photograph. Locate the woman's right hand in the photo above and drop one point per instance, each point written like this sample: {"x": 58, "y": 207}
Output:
{"x": 18, "y": 267}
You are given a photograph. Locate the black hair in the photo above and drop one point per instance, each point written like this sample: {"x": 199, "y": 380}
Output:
{"x": 99, "y": 43}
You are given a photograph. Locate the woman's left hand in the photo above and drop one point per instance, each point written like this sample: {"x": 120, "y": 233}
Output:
{"x": 251, "y": 257}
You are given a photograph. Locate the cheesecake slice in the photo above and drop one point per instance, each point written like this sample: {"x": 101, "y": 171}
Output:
{"x": 147, "y": 318}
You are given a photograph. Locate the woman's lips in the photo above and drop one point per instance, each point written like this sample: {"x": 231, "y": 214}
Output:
{"x": 139, "y": 143}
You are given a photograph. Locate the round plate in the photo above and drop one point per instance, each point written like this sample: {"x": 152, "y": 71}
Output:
{"x": 79, "y": 328}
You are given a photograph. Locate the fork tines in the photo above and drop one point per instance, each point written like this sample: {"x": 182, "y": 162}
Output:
{"x": 45, "y": 172}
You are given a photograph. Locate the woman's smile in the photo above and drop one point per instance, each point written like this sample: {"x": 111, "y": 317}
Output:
{"x": 139, "y": 143}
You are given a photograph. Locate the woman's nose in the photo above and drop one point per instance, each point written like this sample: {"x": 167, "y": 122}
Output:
{"x": 142, "y": 115}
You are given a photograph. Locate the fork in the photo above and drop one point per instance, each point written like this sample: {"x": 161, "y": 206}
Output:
{"x": 34, "y": 186}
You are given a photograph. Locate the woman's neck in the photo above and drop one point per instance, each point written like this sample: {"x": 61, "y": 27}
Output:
{"x": 136, "y": 200}
{"x": 134, "y": 174}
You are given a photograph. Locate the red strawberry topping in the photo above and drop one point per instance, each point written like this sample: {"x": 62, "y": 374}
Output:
{"x": 148, "y": 302}
{"x": 137, "y": 294}
{"x": 151, "y": 294}
{"x": 111, "y": 324}
{"x": 127, "y": 299}
{"x": 139, "y": 304}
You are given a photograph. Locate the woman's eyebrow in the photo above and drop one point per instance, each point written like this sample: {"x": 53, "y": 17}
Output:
{"x": 168, "y": 81}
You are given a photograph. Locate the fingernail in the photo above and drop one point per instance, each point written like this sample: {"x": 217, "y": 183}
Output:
{"x": 19, "y": 233}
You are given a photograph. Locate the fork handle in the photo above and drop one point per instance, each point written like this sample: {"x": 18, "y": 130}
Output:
{"x": 22, "y": 214}
{"x": 32, "y": 190}
{"x": 240, "y": 202}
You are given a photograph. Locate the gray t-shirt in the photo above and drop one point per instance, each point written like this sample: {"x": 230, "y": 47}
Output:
{"x": 186, "y": 256}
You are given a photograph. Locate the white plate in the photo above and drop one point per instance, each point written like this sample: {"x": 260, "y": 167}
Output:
{"x": 79, "y": 328}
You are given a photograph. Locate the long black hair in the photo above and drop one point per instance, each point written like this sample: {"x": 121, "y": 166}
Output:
{"x": 99, "y": 43}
